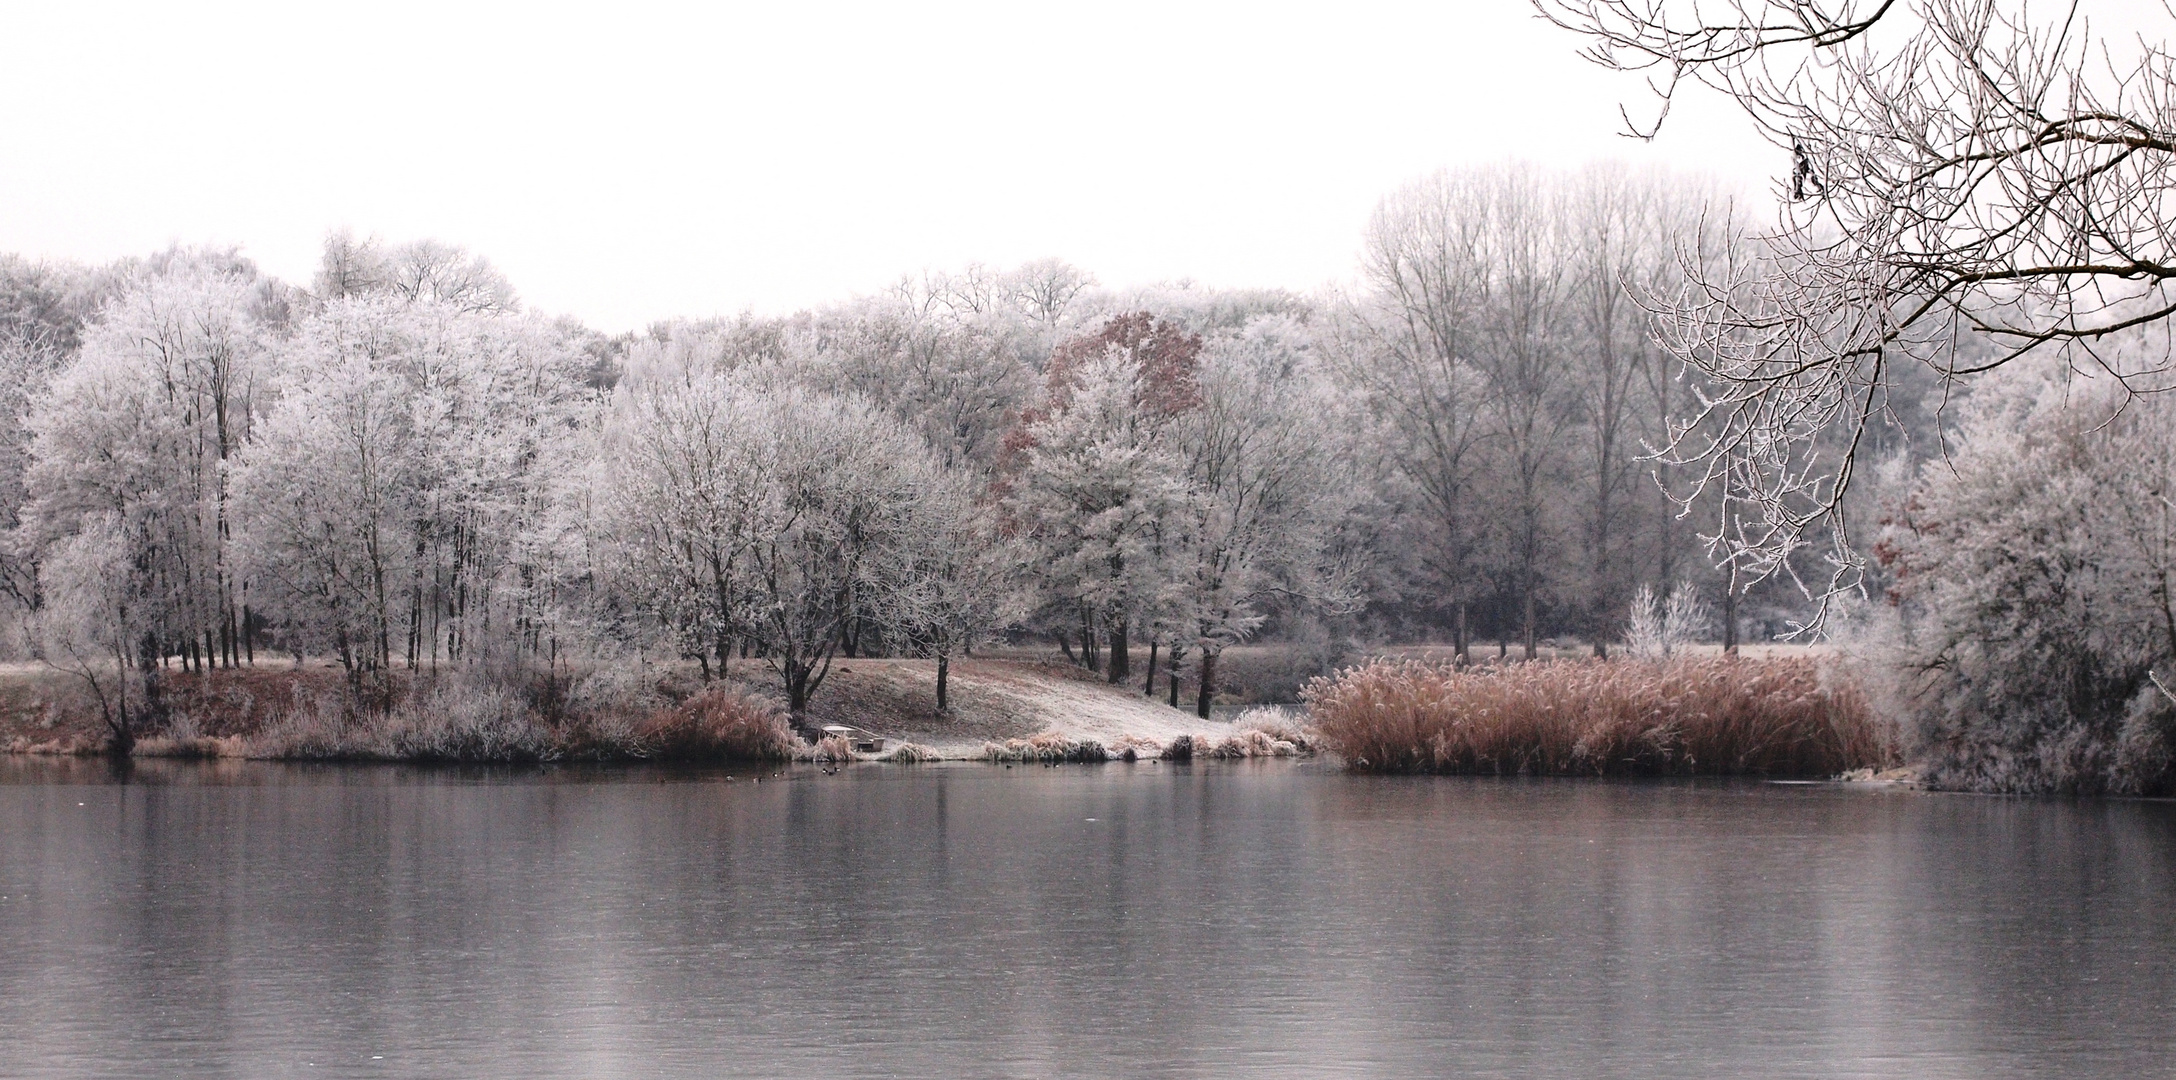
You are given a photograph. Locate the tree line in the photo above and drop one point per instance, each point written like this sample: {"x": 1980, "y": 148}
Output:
{"x": 399, "y": 467}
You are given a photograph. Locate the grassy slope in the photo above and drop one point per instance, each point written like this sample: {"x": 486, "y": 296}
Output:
{"x": 990, "y": 700}
{"x": 49, "y": 711}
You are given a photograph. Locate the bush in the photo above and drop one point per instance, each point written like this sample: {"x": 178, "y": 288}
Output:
{"x": 461, "y": 719}
{"x": 314, "y": 725}
{"x": 2029, "y": 572}
{"x": 1595, "y": 718}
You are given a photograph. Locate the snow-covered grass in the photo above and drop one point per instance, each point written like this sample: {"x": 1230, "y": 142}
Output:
{"x": 910, "y": 754}
{"x": 1049, "y": 748}
{"x": 645, "y": 713}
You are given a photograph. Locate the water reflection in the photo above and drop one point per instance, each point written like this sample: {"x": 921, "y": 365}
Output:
{"x": 241, "y": 919}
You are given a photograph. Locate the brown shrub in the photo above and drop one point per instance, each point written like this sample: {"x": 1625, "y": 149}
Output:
{"x": 719, "y": 723}
{"x": 240, "y": 701}
{"x": 1696, "y": 715}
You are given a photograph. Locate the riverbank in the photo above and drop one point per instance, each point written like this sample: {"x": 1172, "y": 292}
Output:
{"x": 997, "y": 707}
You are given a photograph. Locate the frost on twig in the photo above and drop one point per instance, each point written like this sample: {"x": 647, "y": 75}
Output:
{"x": 1967, "y": 184}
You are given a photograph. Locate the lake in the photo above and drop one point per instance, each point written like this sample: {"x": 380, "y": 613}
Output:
{"x": 1240, "y": 920}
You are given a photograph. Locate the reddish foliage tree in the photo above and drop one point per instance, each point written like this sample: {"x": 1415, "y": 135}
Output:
{"x": 1168, "y": 358}
{"x": 1166, "y": 354}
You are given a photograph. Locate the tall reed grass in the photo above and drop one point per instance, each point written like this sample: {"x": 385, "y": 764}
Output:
{"x": 721, "y": 723}
{"x": 1681, "y": 716}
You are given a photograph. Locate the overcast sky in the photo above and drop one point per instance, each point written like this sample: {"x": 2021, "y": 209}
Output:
{"x": 624, "y": 163}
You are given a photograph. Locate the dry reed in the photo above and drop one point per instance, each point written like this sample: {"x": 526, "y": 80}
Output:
{"x": 1048, "y": 748}
{"x": 721, "y": 723}
{"x": 1707, "y": 715}
{"x": 910, "y": 754}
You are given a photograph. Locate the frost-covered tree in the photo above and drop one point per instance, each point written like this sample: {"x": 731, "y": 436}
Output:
{"x": 946, "y": 360}
{"x": 835, "y": 536}
{"x": 1412, "y": 357}
{"x": 682, "y": 478}
{"x": 42, "y": 312}
{"x": 1660, "y": 627}
{"x": 423, "y": 271}
{"x": 1522, "y": 350}
{"x": 1094, "y": 472}
{"x": 397, "y": 499}
{"x": 92, "y": 623}
{"x": 1265, "y": 486}
{"x": 958, "y": 582}
{"x": 137, "y": 435}
{"x": 2036, "y": 572}
{"x": 1513, "y": 383}
{"x": 1961, "y": 183}
{"x": 1620, "y": 231}
{"x": 747, "y": 508}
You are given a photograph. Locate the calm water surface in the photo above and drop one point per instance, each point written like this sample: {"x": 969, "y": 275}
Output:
{"x": 274, "y": 921}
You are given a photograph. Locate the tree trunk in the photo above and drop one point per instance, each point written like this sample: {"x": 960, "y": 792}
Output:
{"x": 1602, "y": 607}
{"x": 1175, "y": 662}
{"x": 1730, "y": 613}
{"x": 124, "y": 733}
{"x": 1121, "y": 665}
{"x": 1459, "y": 639}
{"x": 1065, "y": 645}
{"x": 1148, "y": 686}
{"x": 944, "y": 670}
{"x": 1527, "y": 617}
{"x": 797, "y": 675}
{"x": 1208, "y": 684}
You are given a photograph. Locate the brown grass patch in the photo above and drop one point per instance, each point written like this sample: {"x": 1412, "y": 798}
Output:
{"x": 721, "y": 723}
{"x": 1686, "y": 716}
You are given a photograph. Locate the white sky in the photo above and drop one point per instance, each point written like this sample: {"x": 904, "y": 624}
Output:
{"x": 624, "y": 162}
